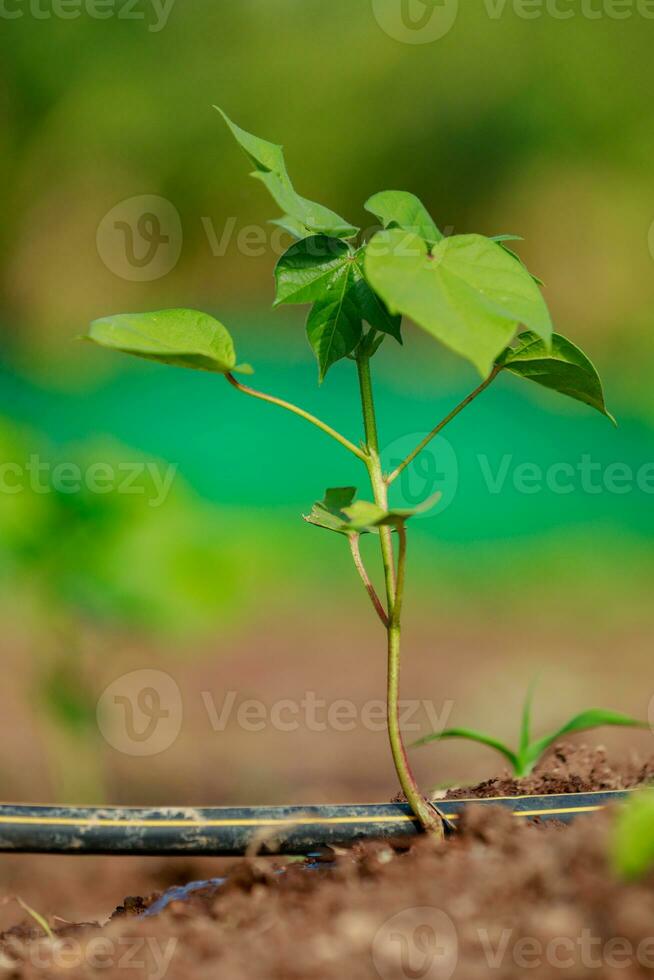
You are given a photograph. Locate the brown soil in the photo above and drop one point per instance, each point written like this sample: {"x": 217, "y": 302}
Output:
{"x": 566, "y": 769}
{"x": 502, "y": 899}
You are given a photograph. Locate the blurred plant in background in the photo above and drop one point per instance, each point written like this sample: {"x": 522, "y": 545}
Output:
{"x": 76, "y": 568}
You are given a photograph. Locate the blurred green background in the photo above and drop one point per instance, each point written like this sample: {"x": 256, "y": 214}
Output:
{"x": 538, "y": 126}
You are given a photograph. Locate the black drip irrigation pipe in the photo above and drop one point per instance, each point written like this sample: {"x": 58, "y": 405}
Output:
{"x": 230, "y": 832}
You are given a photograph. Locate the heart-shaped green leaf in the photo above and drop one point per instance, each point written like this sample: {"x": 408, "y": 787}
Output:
{"x": 270, "y": 169}
{"x": 468, "y": 292}
{"x": 184, "y": 338}
{"x": 564, "y": 368}
{"x": 399, "y": 209}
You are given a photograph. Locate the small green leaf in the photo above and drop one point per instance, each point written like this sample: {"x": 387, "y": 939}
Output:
{"x": 467, "y": 292}
{"x": 328, "y": 513}
{"x": 340, "y": 512}
{"x": 401, "y": 514}
{"x": 308, "y": 270}
{"x": 321, "y": 517}
{"x": 336, "y": 498}
{"x": 399, "y": 209}
{"x": 334, "y": 325}
{"x": 363, "y": 515}
{"x": 320, "y": 268}
{"x": 270, "y": 168}
{"x": 564, "y": 368}
{"x": 632, "y": 843}
{"x": 593, "y": 718}
{"x": 184, "y": 338}
{"x": 471, "y": 736}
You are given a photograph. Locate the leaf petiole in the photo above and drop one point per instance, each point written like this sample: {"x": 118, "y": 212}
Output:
{"x": 441, "y": 425}
{"x": 365, "y": 578}
{"x": 307, "y": 416}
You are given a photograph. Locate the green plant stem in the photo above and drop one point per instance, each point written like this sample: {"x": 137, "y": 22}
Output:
{"x": 401, "y": 575}
{"x": 365, "y": 578}
{"x": 441, "y": 425}
{"x": 375, "y": 471}
{"x": 327, "y": 429}
{"x": 426, "y": 814}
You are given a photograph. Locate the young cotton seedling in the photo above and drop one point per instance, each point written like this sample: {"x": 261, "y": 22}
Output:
{"x": 529, "y": 753}
{"x": 469, "y": 292}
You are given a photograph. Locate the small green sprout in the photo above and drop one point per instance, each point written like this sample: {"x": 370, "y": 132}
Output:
{"x": 529, "y": 753}
{"x": 33, "y": 914}
{"x": 632, "y": 840}
{"x": 469, "y": 292}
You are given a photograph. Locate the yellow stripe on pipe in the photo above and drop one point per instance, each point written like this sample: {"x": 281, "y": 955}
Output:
{"x": 291, "y": 821}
